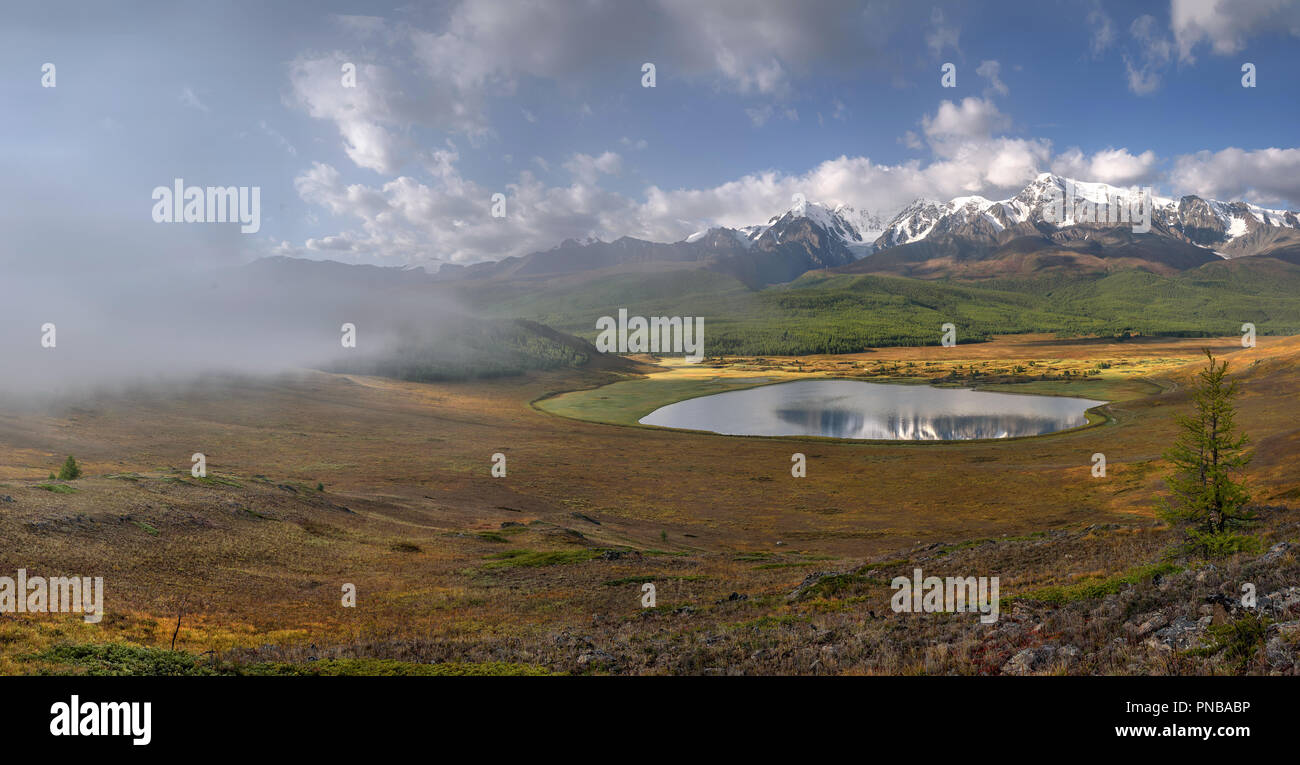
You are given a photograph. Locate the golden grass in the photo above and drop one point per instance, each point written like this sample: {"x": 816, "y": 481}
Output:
{"x": 258, "y": 567}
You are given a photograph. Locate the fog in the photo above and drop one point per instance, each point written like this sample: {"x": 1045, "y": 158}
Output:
{"x": 73, "y": 328}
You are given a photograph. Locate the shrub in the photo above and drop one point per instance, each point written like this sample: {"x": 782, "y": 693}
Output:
{"x": 1221, "y": 544}
{"x": 1239, "y": 640}
{"x": 70, "y": 471}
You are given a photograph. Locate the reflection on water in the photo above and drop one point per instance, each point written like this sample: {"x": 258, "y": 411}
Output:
{"x": 854, "y": 409}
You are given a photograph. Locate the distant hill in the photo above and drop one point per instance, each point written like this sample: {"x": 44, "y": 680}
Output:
{"x": 1082, "y": 249}
{"x": 790, "y": 246}
{"x": 794, "y": 289}
{"x": 405, "y": 329}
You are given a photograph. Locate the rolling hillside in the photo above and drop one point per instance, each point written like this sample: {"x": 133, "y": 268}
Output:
{"x": 840, "y": 311}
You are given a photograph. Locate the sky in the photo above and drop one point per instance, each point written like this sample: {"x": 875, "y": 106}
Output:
{"x": 545, "y": 103}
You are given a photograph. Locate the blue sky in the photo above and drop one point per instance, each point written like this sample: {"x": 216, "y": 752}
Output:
{"x": 543, "y": 102}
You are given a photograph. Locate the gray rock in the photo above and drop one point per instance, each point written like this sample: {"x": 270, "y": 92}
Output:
{"x": 1284, "y": 599}
{"x": 1021, "y": 612}
{"x": 1029, "y": 660}
{"x": 595, "y": 658}
{"x": 1181, "y": 634}
{"x": 1275, "y": 552}
{"x": 1280, "y": 655}
{"x": 1289, "y": 631}
{"x": 1152, "y": 623}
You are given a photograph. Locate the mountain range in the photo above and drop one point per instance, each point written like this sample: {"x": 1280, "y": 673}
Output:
{"x": 966, "y": 237}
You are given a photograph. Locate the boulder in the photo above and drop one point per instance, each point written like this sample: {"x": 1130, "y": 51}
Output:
{"x": 1275, "y": 552}
{"x": 1283, "y": 600}
{"x": 1181, "y": 634}
{"x": 1151, "y": 623}
{"x": 1030, "y": 660}
{"x": 1279, "y": 653}
{"x": 595, "y": 658}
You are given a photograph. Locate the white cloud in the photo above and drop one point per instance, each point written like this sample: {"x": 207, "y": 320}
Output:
{"x": 405, "y": 221}
{"x": 972, "y": 118}
{"x": 444, "y": 78}
{"x": 362, "y": 114}
{"x": 752, "y": 48}
{"x": 757, "y": 47}
{"x": 759, "y": 115}
{"x": 280, "y": 139}
{"x": 990, "y": 70}
{"x": 1103, "y": 31}
{"x": 1266, "y": 176}
{"x": 1117, "y": 167}
{"x": 189, "y": 99}
{"x": 989, "y": 167}
{"x": 941, "y": 36}
{"x": 586, "y": 169}
{"x": 1155, "y": 52}
{"x": 1226, "y": 26}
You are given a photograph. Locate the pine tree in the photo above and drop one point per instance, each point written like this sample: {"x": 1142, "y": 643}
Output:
{"x": 1207, "y": 458}
{"x": 70, "y": 471}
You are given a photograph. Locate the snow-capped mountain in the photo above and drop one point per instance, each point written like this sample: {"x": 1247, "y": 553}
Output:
{"x": 1064, "y": 202}
{"x": 855, "y": 229}
{"x": 1049, "y": 203}
{"x": 1058, "y": 217}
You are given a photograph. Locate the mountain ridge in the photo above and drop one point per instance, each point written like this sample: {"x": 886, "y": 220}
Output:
{"x": 1072, "y": 223}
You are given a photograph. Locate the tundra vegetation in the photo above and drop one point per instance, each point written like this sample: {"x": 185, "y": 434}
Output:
{"x": 457, "y": 572}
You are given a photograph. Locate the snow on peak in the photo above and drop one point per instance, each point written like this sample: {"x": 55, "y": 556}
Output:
{"x": 1202, "y": 221}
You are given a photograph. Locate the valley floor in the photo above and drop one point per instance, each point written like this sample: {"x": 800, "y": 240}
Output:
{"x": 317, "y": 481}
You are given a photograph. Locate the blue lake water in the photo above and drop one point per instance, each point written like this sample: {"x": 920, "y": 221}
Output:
{"x": 855, "y": 409}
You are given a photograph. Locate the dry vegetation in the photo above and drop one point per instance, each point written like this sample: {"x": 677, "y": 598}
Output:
{"x": 318, "y": 480}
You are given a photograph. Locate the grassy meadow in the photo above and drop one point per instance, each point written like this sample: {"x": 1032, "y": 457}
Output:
{"x": 317, "y": 481}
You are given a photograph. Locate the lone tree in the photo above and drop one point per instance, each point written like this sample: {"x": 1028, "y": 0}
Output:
{"x": 1208, "y": 457}
{"x": 70, "y": 471}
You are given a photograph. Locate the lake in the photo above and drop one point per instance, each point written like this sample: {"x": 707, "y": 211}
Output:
{"x": 855, "y": 409}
